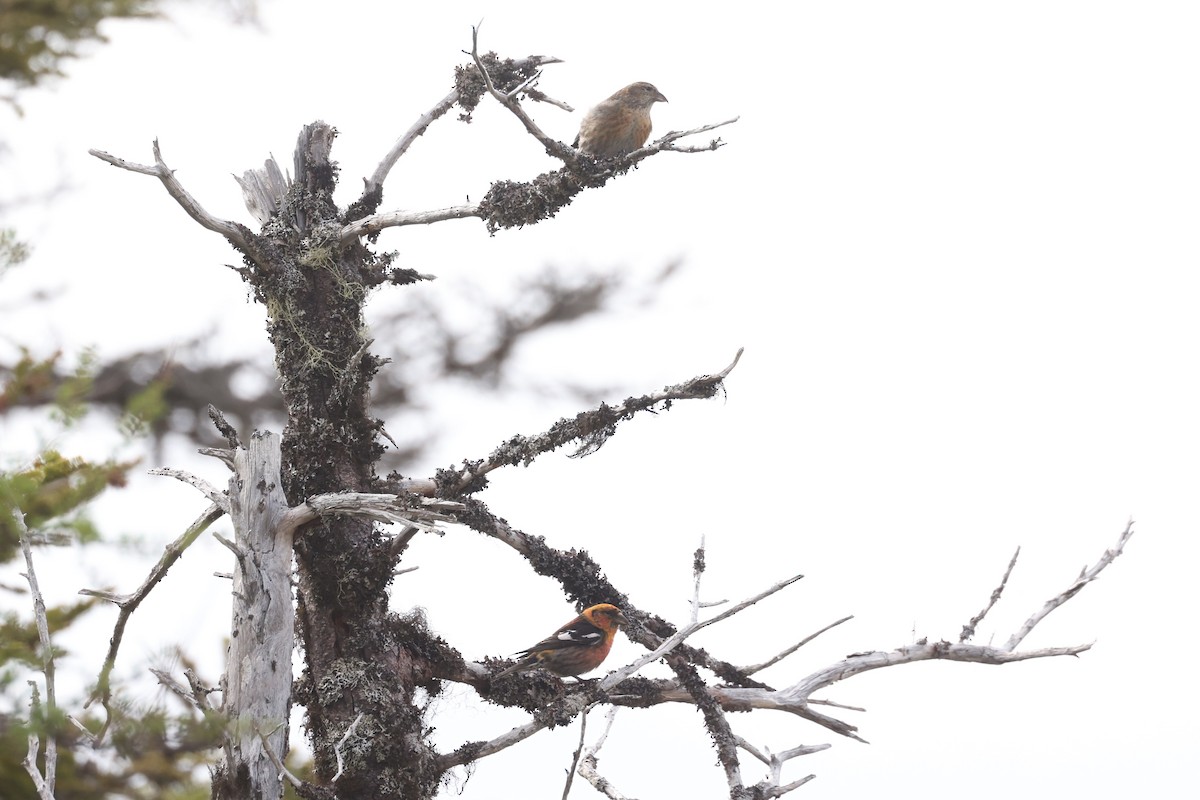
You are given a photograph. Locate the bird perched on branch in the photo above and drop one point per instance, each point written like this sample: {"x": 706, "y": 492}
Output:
{"x": 577, "y": 647}
{"x": 620, "y": 124}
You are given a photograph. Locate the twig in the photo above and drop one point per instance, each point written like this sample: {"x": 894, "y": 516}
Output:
{"x": 227, "y": 431}
{"x": 968, "y": 630}
{"x": 87, "y": 735}
{"x": 238, "y": 235}
{"x": 283, "y": 771}
{"x": 215, "y": 495}
{"x": 375, "y": 182}
{"x": 770, "y": 786}
{"x": 395, "y": 219}
{"x": 200, "y": 692}
{"x": 776, "y": 659}
{"x": 578, "y": 752}
{"x": 715, "y": 720}
{"x": 697, "y": 574}
{"x": 1085, "y": 577}
{"x": 538, "y": 96}
{"x": 795, "y": 699}
{"x": 222, "y": 454}
{"x": 473, "y": 751}
{"x": 175, "y": 687}
{"x": 400, "y": 542}
{"x": 231, "y": 546}
{"x": 673, "y": 641}
{"x": 592, "y": 428}
{"x": 812, "y": 701}
{"x": 337, "y": 750}
{"x": 667, "y": 140}
{"x": 129, "y": 603}
{"x": 509, "y": 101}
{"x": 194, "y": 694}
{"x": 588, "y": 768}
{"x": 46, "y": 787}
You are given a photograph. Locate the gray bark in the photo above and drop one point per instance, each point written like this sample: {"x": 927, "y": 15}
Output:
{"x": 258, "y": 675}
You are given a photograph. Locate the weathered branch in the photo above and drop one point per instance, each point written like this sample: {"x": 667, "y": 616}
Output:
{"x": 675, "y": 640}
{"x": 771, "y": 786}
{"x": 374, "y": 183}
{"x": 386, "y": 508}
{"x": 284, "y": 772}
{"x": 584, "y": 585}
{"x": 395, "y": 219}
{"x": 797, "y": 699}
{"x": 198, "y": 701}
{"x": 238, "y": 235}
{"x": 667, "y": 141}
{"x": 129, "y": 603}
{"x": 215, "y": 495}
{"x": 784, "y": 654}
{"x": 511, "y": 204}
{"x": 591, "y": 428}
{"x": 337, "y": 750}
{"x": 578, "y": 752}
{"x": 45, "y": 781}
{"x": 373, "y": 186}
{"x": 589, "y": 766}
{"x": 1086, "y": 576}
{"x": 794, "y": 699}
{"x": 714, "y": 717}
{"x": 968, "y": 630}
{"x": 227, "y": 431}
{"x": 576, "y": 703}
{"x": 509, "y": 100}
{"x": 473, "y": 751}
{"x": 43, "y": 785}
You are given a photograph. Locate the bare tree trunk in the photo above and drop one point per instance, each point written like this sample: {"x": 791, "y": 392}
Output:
{"x": 359, "y": 658}
{"x": 258, "y": 676}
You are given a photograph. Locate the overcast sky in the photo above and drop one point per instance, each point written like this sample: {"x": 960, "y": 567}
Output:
{"x": 957, "y": 240}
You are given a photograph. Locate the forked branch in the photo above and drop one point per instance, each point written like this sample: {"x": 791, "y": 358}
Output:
{"x": 795, "y": 699}
{"x": 238, "y": 235}
{"x": 375, "y": 182}
{"x": 509, "y": 203}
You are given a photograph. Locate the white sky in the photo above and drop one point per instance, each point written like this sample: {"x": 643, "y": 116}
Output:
{"x": 958, "y": 241}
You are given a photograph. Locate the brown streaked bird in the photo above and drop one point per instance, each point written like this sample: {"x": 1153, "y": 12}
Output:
{"x": 620, "y": 124}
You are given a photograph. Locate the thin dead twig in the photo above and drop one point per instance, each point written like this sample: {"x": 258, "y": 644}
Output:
{"x": 129, "y": 603}
{"x": 592, "y": 428}
{"x": 784, "y": 654}
{"x": 968, "y": 630}
{"x": 1086, "y": 576}
{"x": 238, "y": 235}
{"x": 43, "y": 781}
{"x": 588, "y": 768}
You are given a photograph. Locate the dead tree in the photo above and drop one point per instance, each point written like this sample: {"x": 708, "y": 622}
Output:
{"x": 314, "y": 494}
